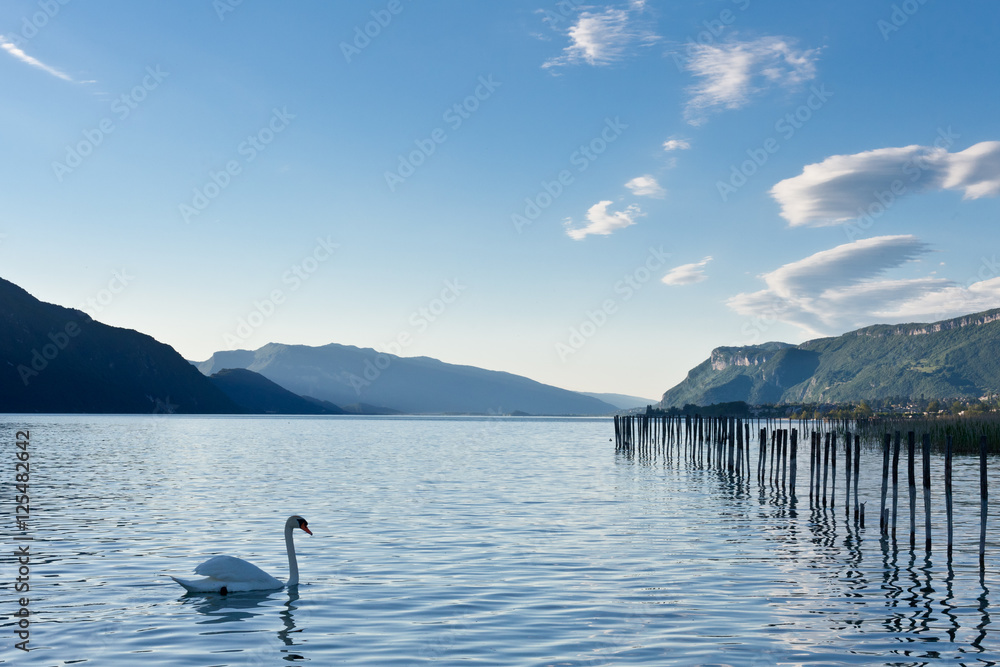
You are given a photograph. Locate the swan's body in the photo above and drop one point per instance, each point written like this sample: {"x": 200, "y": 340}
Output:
{"x": 227, "y": 574}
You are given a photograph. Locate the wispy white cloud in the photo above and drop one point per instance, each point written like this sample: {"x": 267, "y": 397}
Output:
{"x": 601, "y": 38}
{"x": 687, "y": 274}
{"x": 949, "y": 301}
{"x": 844, "y": 187}
{"x": 975, "y": 171}
{"x": 732, "y": 72}
{"x": 602, "y": 221}
{"x": 28, "y": 60}
{"x": 676, "y": 144}
{"x": 844, "y": 288}
{"x": 646, "y": 186}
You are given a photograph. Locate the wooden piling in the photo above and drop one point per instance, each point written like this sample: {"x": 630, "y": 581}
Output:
{"x": 983, "y": 499}
{"x": 746, "y": 443}
{"x": 730, "y": 460}
{"x": 947, "y": 492}
{"x": 883, "y": 520}
{"x": 895, "y": 483}
{"x": 833, "y": 468}
{"x": 739, "y": 446}
{"x": 812, "y": 466}
{"x": 774, "y": 453}
{"x": 847, "y": 475}
{"x": 794, "y": 464}
{"x": 911, "y": 439}
{"x": 926, "y": 460}
{"x": 784, "y": 458}
{"x": 857, "y": 474}
{"x": 761, "y": 454}
{"x": 817, "y": 463}
{"x": 826, "y": 464}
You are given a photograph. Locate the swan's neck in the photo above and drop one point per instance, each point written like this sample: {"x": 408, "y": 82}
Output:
{"x": 293, "y": 565}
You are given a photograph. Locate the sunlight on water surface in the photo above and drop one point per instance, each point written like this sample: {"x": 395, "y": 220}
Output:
{"x": 463, "y": 541}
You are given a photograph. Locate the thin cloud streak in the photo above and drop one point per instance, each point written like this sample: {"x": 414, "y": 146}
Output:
{"x": 731, "y": 73}
{"x": 673, "y": 144}
{"x": 34, "y": 62}
{"x": 600, "y": 38}
{"x": 687, "y": 274}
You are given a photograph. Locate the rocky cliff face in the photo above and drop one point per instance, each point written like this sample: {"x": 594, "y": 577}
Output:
{"x": 954, "y": 358}
{"x": 976, "y": 320}
{"x": 750, "y": 355}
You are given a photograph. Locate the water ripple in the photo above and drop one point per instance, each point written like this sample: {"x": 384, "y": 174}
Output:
{"x": 465, "y": 541}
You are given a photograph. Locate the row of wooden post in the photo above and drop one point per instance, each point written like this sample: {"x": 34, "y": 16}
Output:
{"x": 888, "y": 526}
{"x": 724, "y": 442}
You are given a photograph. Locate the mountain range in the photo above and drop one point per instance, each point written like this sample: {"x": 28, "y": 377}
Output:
{"x": 343, "y": 375}
{"x": 59, "y": 360}
{"x": 954, "y": 358}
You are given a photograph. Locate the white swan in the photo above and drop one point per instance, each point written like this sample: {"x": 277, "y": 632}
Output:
{"x": 226, "y": 574}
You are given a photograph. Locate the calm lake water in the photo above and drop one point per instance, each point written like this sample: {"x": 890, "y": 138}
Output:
{"x": 463, "y": 541}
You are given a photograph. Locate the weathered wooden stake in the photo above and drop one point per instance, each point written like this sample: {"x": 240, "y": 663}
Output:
{"x": 947, "y": 492}
{"x": 983, "y": 498}
{"x": 812, "y": 466}
{"x": 746, "y": 443}
{"x": 826, "y": 464}
{"x": 926, "y": 460}
{"x": 784, "y": 458}
{"x": 883, "y": 520}
{"x": 895, "y": 483}
{"x": 847, "y": 475}
{"x": 857, "y": 473}
{"x": 739, "y": 446}
{"x": 911, "y": 441}
{"x": 833, "y": 468}
{"x": 774, "y": 453}
{"x": 760, "y": 456}
{"x": 730, "y": 459}
{"x": 794, "y": 465}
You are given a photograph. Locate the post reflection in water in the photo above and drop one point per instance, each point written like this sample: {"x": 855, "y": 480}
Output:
{"x": 927, "y": 610}
{"x": 984, "y": 611}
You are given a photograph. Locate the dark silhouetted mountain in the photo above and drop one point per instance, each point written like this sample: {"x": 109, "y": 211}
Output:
{"x": 955, "y": 358}
{"x": 255, "y": 394}
{"x": 55, "y": 359}
{"x": 346, "y": 375}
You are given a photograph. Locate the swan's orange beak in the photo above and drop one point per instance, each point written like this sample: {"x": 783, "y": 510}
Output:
{"x": 306, "y": 528}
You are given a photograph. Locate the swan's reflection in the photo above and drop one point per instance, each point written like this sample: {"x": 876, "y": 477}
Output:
{"x": 229, "y": 608}
{"x": 242, "y": 607}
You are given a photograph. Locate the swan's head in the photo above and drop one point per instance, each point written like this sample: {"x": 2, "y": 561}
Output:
{"x": 302, "y": 523}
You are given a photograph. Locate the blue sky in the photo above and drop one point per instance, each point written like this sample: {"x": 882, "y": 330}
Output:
{"x": 591, "y": 195}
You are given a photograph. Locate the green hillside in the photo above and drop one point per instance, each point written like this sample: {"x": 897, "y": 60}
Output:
{"x": 956, "y": 358}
